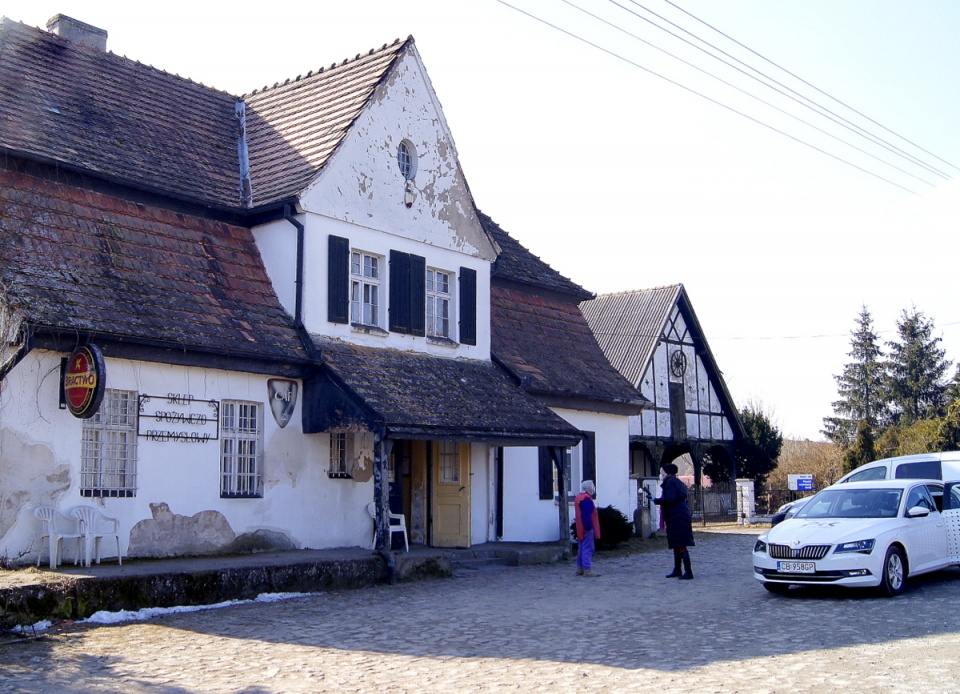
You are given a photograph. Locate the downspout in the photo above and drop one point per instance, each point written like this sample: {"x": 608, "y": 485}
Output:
{"x": 380, "y": 496}
{"x": 308, "y": 345}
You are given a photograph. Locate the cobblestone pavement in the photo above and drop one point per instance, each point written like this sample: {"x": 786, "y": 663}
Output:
{"x": 537, "y": 628}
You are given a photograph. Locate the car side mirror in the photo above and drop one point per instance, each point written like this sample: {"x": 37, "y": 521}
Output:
{"x": 918, "y": 512}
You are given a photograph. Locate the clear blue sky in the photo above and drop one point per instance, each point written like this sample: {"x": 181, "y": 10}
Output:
{"x": 622, "y": 180}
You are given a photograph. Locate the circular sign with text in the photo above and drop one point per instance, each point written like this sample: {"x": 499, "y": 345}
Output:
{"x": 84, "y": 381}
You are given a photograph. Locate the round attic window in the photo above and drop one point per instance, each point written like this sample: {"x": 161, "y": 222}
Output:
{"x": 407, "y": 159}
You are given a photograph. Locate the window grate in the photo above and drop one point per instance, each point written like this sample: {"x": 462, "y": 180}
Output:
{"x": 241, "y": 449}
{"x": 108, "y": 457}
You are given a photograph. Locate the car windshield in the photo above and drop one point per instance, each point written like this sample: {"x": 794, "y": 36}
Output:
{"x": 853, "y": 503}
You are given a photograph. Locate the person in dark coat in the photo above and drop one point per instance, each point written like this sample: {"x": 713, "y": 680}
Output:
{"x": 676, "y": 515}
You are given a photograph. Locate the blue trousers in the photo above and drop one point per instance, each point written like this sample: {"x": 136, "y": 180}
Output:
{"x": 585, "y": 551}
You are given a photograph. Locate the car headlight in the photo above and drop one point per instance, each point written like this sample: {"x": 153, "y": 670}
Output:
{"x": 761, "y": 546}
{"x": 861, "y": 546}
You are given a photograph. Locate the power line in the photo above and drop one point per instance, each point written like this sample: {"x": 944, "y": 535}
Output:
{"x": 862, "y": 115}
{"x": 716, "y": 102}
{"x": 806, "y": 102}
{"x": 744, "y": 91}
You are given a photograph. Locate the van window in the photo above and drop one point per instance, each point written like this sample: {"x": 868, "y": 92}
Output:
{"x": 923, "y": 470}
{"x": 953, "y": 500}
{"x": 871, "y": 473}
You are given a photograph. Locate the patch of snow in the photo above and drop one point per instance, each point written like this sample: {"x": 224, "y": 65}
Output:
{"x": 104, "y": 617}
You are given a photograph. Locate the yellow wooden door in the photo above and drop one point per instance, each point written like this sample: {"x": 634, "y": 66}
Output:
{"x": 451, "y": 494}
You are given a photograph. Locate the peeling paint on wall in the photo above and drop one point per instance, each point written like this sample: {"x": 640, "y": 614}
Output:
{"x": 30, "y": 475}
{"x": 284, "y": 459}
{"x": 363, "y": 457}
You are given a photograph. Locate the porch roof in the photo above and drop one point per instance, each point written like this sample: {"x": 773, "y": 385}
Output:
{"x": 412, "y": 395}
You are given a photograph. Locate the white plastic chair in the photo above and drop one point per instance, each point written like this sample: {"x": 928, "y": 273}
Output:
{"x": 397, "y": 523}
{"x": 96, "y": 526}
{"x": 57, "y": 527}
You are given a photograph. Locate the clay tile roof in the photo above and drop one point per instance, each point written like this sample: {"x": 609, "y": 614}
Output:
{"x": 547, "y": 343}
{"x": 88, "y": 109}
{"x": 539, "y": 334}
{"x": 76, "y": 260}
{"x": 419, "y": 393}
{"x": 628, "y": 325}
{"x": 293, "y": 128}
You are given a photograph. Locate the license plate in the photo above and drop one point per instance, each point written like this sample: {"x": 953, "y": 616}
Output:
{"x": 797, "y": 567}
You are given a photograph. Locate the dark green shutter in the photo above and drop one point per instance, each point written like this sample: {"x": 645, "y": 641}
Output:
{"x": 546, "y": 473}
{"x": 399, "y": 298}
{"x": 468, "y": 306}
{"x": 338, "y": 280}
{"x": 589, "y": 450}
{"x": 408, "y": 293}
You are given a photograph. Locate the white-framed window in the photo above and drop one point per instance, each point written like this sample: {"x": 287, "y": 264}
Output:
{"x": 241, "y": 449}
{"x": 438, "y": 302}
{"x": 108, "y": 459}
{"x": 341, "y": 455}
{"x": 365, "y": 288}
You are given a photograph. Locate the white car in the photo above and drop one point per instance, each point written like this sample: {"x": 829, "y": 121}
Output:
{"x": 862, "y": 534}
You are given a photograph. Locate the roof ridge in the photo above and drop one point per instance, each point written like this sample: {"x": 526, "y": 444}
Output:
{"x": 334, "y": 66}
{"x": 626, "y": 292}
{"x": 49, "y": 35}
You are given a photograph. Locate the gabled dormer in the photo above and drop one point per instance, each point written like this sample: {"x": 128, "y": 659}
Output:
{"x": 392, "y": 252}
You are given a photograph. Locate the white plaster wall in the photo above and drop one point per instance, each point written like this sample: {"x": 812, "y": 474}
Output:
{"x": 362, "y": 183}
{"x": 527, "y": 518}
{"x": 360, "y": 195}
{"x": 40, "y": 462}
{"x": 613, "y": 455}
{"x": 277, "y": 243}
{"x": 319, "y": 228}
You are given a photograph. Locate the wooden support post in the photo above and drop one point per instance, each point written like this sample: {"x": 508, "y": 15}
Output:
{"x": 564, "y": 507}
{"x": 381, "y": 492}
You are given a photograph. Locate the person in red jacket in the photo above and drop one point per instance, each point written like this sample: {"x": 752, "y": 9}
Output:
{"x": 588, "y": 528}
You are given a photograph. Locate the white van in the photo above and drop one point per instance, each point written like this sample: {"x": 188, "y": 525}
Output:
{"x": 922, "y": 466}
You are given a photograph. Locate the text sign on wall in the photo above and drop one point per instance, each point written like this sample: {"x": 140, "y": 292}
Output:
{"x": 800, "y": 483}
{"x": 178, "y": 417}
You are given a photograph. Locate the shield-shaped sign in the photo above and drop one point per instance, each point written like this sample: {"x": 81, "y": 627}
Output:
{"x": 283, "y": 399}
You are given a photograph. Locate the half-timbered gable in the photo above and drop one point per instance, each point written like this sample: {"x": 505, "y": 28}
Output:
{"x": 654, "y": 339}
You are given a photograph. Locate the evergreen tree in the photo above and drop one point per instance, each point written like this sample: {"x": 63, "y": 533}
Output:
{"x": 916, "y": 370}
{"x": 948, "y": 433}
{"x": 953, "y": 389}
{"x": 862, "y": 450}
{"x": 756, "y": 455}
{"x": 860, "y": 386}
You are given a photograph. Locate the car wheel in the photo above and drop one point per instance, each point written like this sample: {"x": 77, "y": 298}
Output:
{"x": 894, "y": 572}
{"x": 777, "y": 588}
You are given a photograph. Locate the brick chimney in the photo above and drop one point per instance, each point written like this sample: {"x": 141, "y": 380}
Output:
{"x": 73, "y": 30}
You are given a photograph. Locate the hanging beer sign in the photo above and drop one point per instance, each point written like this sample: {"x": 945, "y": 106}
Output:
{"x": 85, "y": 381}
